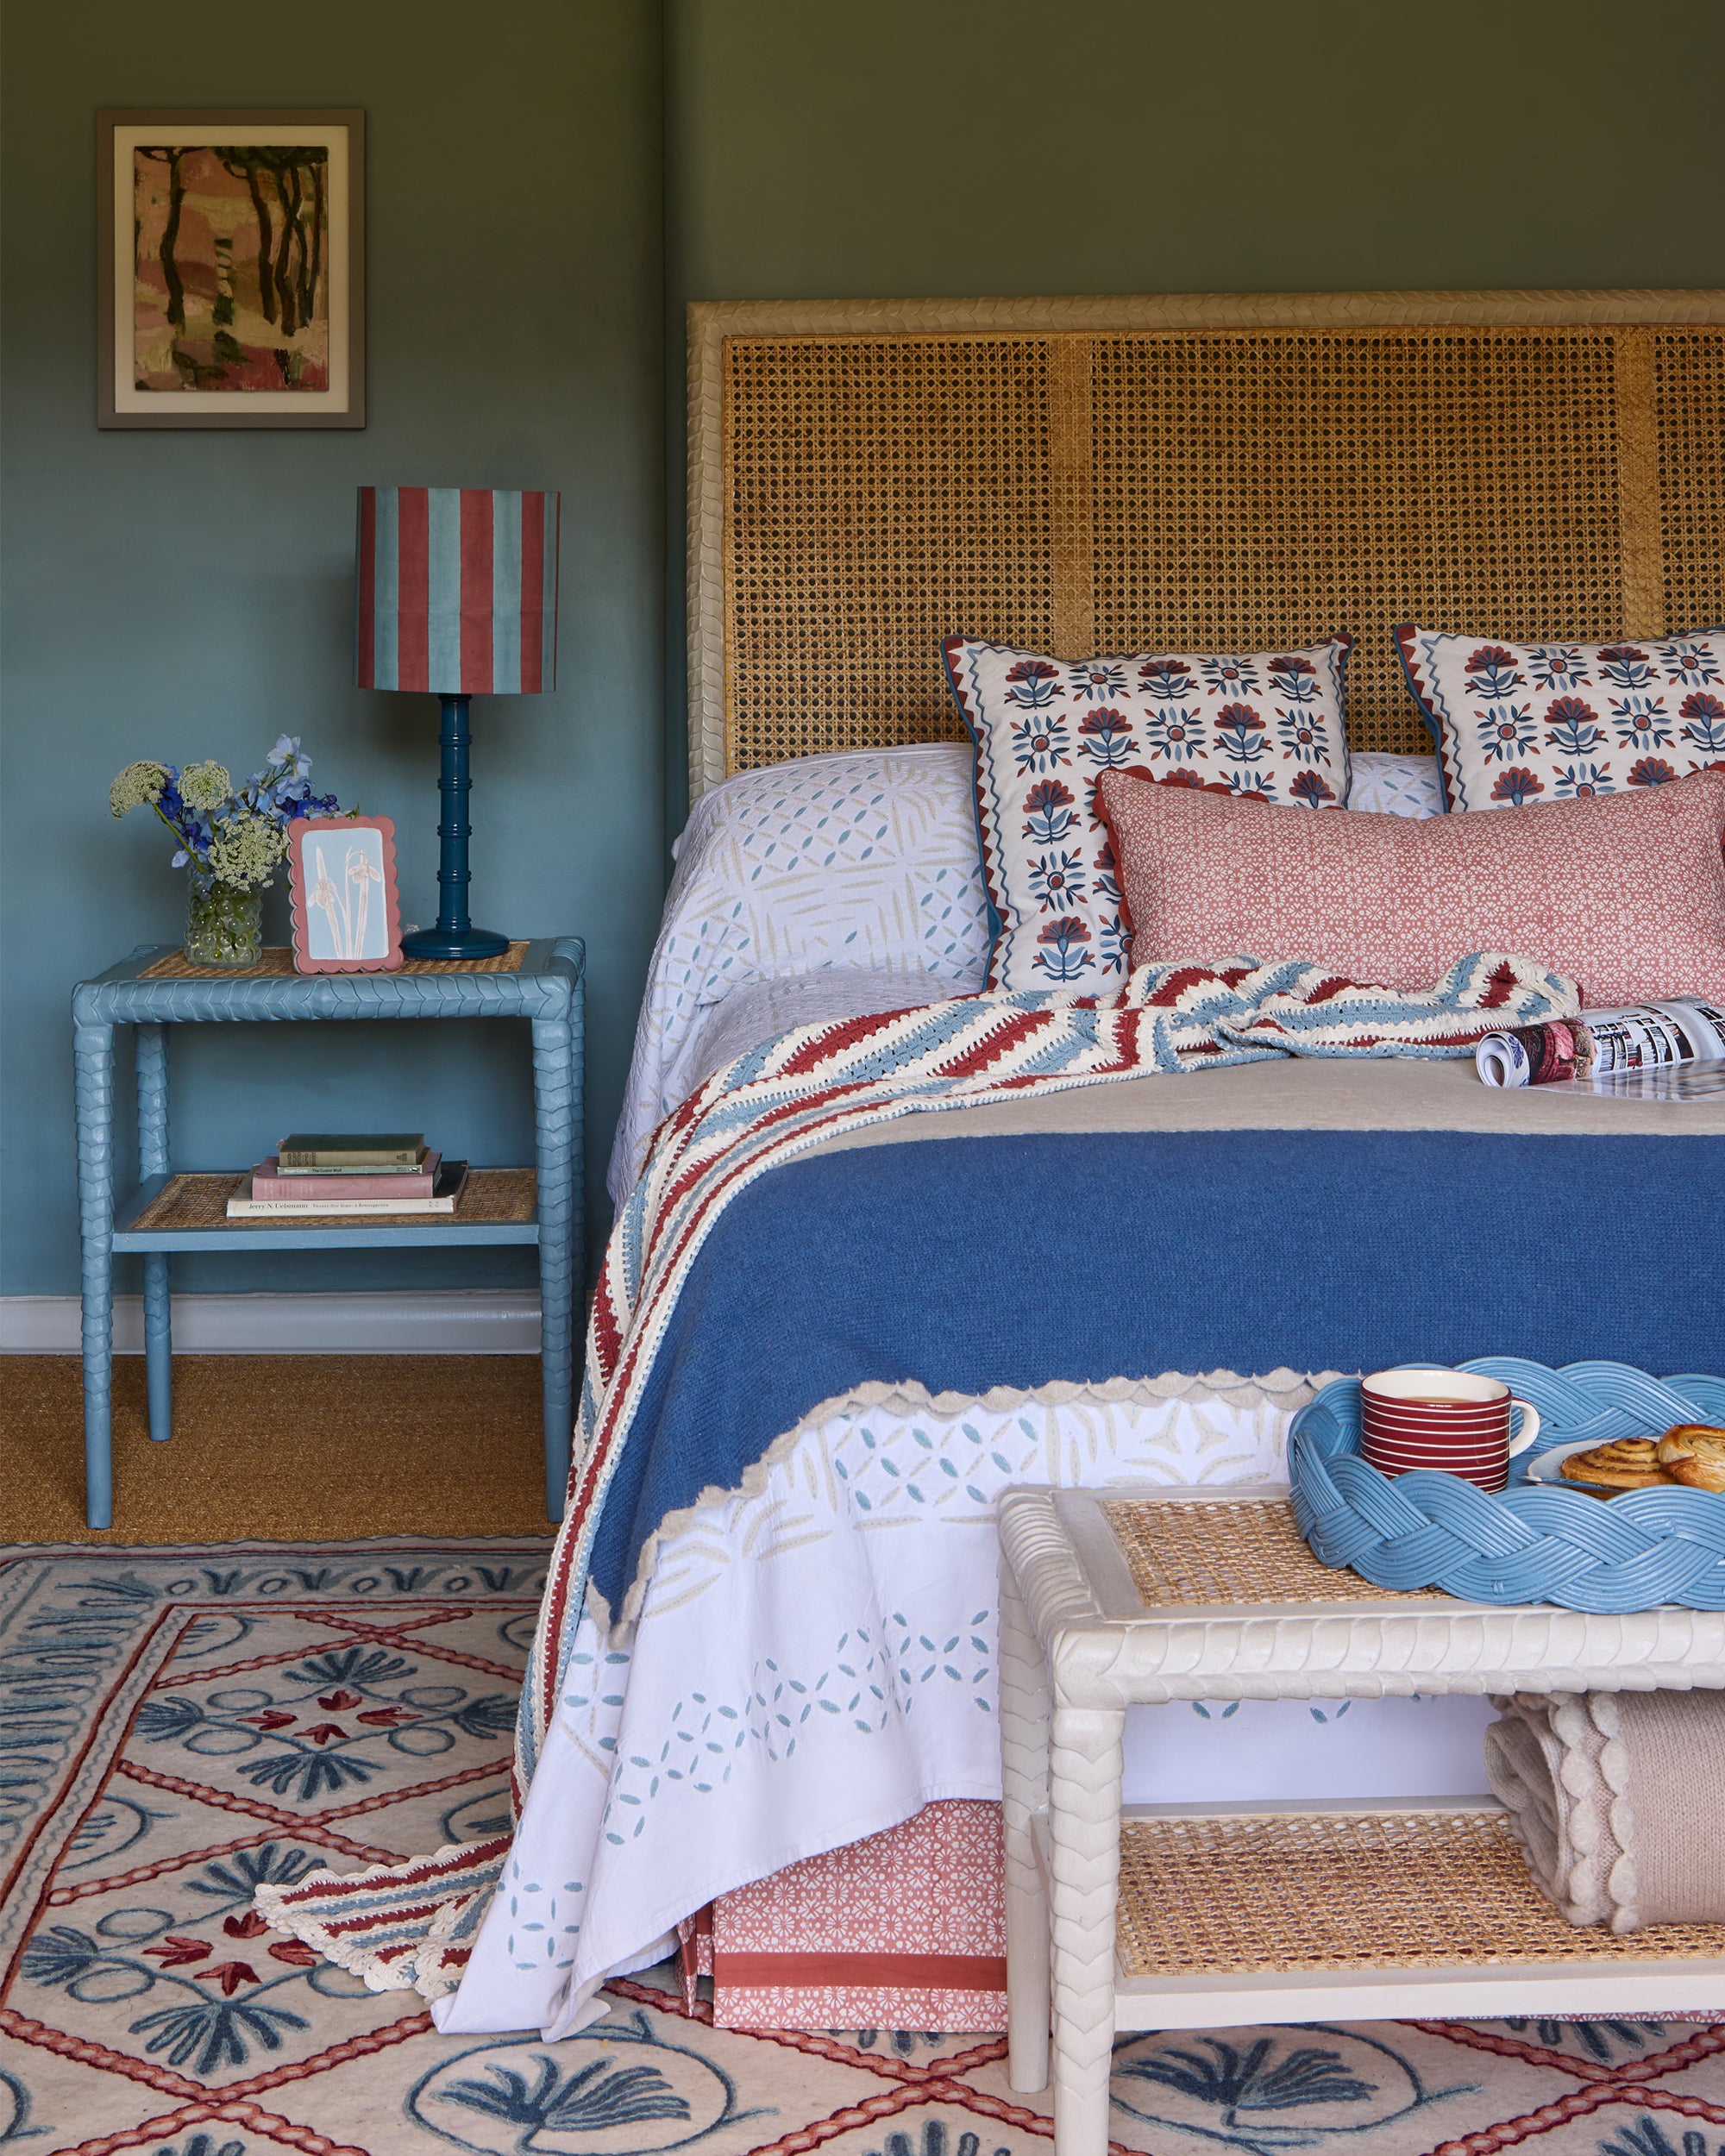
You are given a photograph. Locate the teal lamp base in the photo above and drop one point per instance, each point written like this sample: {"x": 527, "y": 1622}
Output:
{"x": 453, "y": 935}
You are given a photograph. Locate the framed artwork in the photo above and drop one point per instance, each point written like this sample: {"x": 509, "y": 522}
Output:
{"x": 346, "y": 912}
{"x": 230, "y": 271}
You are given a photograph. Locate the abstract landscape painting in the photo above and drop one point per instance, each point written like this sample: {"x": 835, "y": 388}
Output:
{"x": 232, "y": 255}
{"x": 232, "y": 269}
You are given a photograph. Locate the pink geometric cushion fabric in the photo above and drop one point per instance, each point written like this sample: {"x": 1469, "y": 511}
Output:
{"x": 1625, "y": 894}
{"x": 1267, "y": 726}
{"x": 1518, "y": 724}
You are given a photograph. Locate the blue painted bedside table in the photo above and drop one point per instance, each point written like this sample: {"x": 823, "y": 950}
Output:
{"x": 542, "y": 1206}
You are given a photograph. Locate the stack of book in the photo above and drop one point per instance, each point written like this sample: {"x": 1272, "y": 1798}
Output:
{"x": 326, "y": 1173}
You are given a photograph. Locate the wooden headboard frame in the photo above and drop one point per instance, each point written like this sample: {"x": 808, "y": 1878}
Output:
{"x": 1206, "y": 472}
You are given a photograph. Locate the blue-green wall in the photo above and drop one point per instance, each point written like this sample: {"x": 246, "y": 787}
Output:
{"x": 184, "y": 594}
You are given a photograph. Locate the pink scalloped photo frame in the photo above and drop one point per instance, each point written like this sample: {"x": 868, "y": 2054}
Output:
{"x": 347, "y": 910}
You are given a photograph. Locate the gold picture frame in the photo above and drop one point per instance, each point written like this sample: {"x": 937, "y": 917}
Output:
{"x": 230, "y": 274}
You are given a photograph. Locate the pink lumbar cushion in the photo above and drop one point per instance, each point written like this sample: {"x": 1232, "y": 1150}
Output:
{"x": 1625, "y": 894}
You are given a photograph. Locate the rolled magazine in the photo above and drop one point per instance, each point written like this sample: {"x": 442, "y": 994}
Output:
{"x": 1673, "y": 1050}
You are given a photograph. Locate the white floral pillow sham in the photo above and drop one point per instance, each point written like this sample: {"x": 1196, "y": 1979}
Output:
{"x": 1268, "y": 724}
{"x": 1521, "y": 723}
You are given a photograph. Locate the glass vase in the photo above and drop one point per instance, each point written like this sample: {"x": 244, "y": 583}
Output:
{"x": 223, "y": 927}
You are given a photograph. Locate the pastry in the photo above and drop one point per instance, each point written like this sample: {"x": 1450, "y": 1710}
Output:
{"x": 1694, "y": 1453}
{"x": 1624, "y": 1463}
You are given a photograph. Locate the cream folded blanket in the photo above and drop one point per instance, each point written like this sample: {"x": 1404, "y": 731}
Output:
{"x": 1618, "y": 1802}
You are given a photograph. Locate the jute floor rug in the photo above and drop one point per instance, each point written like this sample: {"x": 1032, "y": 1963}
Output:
{"x": 179, "y": 1723}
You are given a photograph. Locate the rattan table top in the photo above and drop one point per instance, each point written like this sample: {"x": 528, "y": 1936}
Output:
{"x": 1242, "y": 1551}
{"x": 1352, "y": 1890}
{"x": 490, "y": 1197}
{"x": 276, "y": 963}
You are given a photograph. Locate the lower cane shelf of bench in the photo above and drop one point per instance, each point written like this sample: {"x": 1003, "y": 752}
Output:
{"x": 1234, "y": 1914}
{"x": 189, "y": 1213}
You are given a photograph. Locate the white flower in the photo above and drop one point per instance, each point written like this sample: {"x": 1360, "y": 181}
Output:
{"x": 136, "y": 784}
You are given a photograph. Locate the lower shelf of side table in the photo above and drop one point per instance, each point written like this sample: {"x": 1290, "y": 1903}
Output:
{"x": 1239, "y": 1916}
{"x": 189, "y": 1213}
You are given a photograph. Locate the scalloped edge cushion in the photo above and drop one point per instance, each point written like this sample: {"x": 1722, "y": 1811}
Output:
{"x": 1530, "y": 1543}
{"x": 1268, "y": 723}
{"x": 1519, "y": 724}
{"x": 1625, "y": 894}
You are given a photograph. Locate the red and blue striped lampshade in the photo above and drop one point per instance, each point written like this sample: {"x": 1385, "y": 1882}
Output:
{"x": 458, "y": 590}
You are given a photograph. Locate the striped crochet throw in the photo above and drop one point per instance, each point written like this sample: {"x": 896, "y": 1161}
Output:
{"x": 411, "y": 1925}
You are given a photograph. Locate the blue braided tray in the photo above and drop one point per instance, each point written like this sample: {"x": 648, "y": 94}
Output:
{"x": 1531, "y": 1543}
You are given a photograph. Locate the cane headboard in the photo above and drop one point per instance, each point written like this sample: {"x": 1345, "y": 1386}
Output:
{"x": 1201, "y": 473}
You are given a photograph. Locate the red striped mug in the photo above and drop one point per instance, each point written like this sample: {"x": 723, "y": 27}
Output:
{"x": 1453, "y": 1421}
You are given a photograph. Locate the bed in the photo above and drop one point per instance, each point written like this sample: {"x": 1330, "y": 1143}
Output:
{"x": 779, "y": 1633}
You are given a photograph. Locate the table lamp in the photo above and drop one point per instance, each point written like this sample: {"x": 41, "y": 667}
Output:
{"x": 457, "y": 596}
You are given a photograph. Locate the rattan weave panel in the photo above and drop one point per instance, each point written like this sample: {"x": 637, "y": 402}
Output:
{"x": 277, "y": 963}
{"x": 1352, "y": 1890}
{"x": 1688, "y": 408}
{"x": 880, "y": 492}
{"x": 1202, "y": 489}
{"x": 1238, "y": 1551}
{"x": 1268, "y": 488}
{"x": 490, "y": 1196}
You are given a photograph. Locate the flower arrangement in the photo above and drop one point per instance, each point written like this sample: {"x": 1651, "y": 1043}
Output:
{"x": 231, "y": 838}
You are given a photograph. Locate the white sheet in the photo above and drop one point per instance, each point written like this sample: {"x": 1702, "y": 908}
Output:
{"x": 815, "y": 1662}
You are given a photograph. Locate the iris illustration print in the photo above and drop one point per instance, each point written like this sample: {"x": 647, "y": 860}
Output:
{"x": 1312, "y": 791}
{"x": 1294, "y": 678}
{"x": 1516, "y": 786}
{"x": 1241, "y": 734}
{"x": 1031, "y": 684}
{"x": 344, "y": 870}
{"x": 1061, "y": 954}
{"x": 1650, "y": 771}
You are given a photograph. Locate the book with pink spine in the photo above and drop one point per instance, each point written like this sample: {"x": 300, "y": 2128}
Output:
{"x": 269, "y": 1182}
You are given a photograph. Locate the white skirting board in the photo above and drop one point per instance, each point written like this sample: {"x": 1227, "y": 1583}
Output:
{"x": 441, "y": 1321}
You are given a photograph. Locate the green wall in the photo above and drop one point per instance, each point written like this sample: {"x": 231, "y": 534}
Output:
{"x": 921, "y": 147}
{"x": 186, "y": 594}
{"x": 183, "y": 594}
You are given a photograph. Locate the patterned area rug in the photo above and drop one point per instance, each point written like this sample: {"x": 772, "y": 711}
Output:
{"x": 177, "y": 1725}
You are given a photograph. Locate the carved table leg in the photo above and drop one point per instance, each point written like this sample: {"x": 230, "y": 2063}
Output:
{"x": 558, "y": 1117}
{"x": 152, "y": 1046}
{"x": 1024, "y": 1767}
{"x": 93, "y": 1068}
{"x": 1084, "y": 1813}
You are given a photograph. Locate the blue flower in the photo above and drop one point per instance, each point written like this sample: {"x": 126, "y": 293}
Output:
{"x": 1176, "y": 734}
{"x": 1039, "y": 743}
{"x": 1492, "y": 671}
{"x": 1166, "y": 678}
{"x": 1232, "y": 677}
{"x": 1094, "y": 678}
{"x": 1303, "y": 737}
{"x": 1031, "y": 684}
{"x": 1294, "y": 678}
{"x": 1641, "y": 722}
{"x": 1516, "y": 786}
{"x": 1505, "y": 731}
{"x": 1574, "y": 726}
{"x": 1048, "y": 813}
{"x": 1687, "y": 664}
{"x": 1241, "y": 734}
{"x": 1557, "y": 667}
{"x": 1060, "y": 949}
{"x": 1581, "y": 781}
{"x": 1057, "y": 881}
{"x": 1706, "y": 727}
{"x": 1625, "y": 666}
